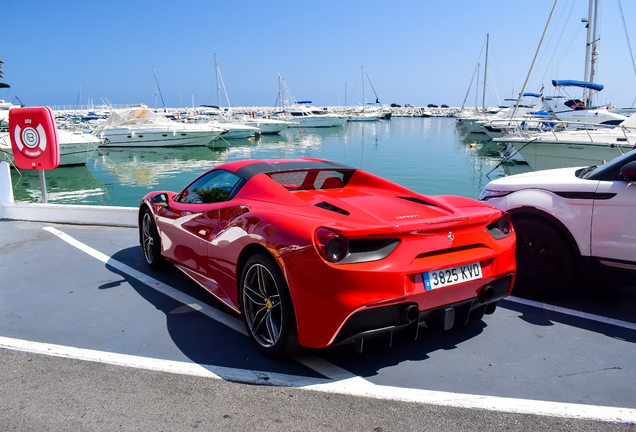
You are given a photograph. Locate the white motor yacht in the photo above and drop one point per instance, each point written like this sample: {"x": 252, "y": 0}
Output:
{"x": 234, "y": 128}
{"x": 308, "y": 116}
{"x": 75, "y": 148}
{"x": 268, "y": 125}
{"x": 575, "y": 110}
{"x": 365, "y": 114}
{"x": 144, "y": 128}
{"x": 590, "y": 144}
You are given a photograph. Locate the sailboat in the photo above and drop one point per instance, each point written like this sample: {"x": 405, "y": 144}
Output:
{"x": 582, "y": 134}
{"x": 366, "y": 113}
{"x": 235, "y": 128}
{"x": 303, "y": 112}
{"x": 577, "y": 110}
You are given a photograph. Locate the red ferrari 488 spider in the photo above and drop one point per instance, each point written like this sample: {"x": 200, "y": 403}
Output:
{"x": 315, "y": 253}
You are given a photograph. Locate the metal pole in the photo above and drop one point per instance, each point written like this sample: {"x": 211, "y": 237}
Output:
{"x": 593, "y": 51}
{"x": 588, "y": 47}
{"x": 363, "y": 101}
{"x": 477, "y": 88}
{"x": 43, "y": 186}
{"x": 483, "y": 102}
{"x": 218, "y": 87}
{"x": 523, "y": 89}
{"x": 154, "y": 76}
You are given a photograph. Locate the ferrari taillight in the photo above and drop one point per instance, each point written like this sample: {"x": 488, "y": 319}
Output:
{"x": 331, "y": 245}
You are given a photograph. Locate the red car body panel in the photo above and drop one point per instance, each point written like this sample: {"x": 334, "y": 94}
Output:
{"x": 210, "y": 242}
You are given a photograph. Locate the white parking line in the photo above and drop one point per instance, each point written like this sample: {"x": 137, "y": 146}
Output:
{"x": 578, "y": 314}
{"x": 223, "y": 318}
{"x": 340, "y": 380}
{"x": 353, "y": 386}
{"x": 160, "y": 365}
{"x": 322, "y": 367}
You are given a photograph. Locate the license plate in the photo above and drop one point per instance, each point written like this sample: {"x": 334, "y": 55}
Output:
{"x": 452, "y": 276}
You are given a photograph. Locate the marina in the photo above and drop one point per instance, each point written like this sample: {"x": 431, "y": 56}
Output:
{"x": 534, "y": 372}
{"x": 345, "y": 260}
{"x": 427, "y": 155}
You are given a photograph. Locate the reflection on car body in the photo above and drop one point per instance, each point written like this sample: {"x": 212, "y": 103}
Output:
{"x": 315, "y": 253}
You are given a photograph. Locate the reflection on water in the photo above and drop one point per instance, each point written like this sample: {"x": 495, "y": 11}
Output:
{"x": 428, "y": 155}
{"x": 150, "y": 166}
{"x": 71, "y": 185}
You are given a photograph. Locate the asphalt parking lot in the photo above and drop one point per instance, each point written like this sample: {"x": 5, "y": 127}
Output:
{"x": 78, "y": 302}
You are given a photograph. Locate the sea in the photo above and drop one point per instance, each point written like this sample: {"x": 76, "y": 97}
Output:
{"x": 428, "y": 155}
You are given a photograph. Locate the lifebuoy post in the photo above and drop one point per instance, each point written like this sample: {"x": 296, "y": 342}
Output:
{"x": 34, "y": 141}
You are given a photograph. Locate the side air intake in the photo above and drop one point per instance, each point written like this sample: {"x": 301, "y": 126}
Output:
{"x": 325, "y": 205}
{"x": 418, "y": 201}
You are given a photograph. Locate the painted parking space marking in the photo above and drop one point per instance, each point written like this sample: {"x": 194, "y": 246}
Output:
{"x": 574, "y": 313}
{"x": 223, "y": 318}
{"x": 355, "y": 386}
{"x": 338, "y": 380}
{"x": 160, "y": 365}
{"x": 324, "y": 368}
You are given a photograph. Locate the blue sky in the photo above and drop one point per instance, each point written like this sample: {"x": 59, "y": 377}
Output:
{"x": 416, "y": 52}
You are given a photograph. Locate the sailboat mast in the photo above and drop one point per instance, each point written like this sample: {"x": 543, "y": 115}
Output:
{"x": 485, "y": 74}
{"x": 362, "y": 87}
{"x": 588, "y": 50}
{"x": 525, "y": 84}
{"x": 218, "y": 87}
{"x": 280, "y": 94}
{"x": 593, "y": 52}
{"x": 154, "y": 76}
{"x": 477, "y": 87}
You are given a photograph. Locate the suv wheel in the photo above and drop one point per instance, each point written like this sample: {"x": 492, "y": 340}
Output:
{"x": 544, "y": 261}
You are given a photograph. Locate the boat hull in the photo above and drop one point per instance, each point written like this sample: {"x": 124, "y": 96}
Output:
{"x": 564, "y": 154}
{"x": 127, "y": 138}
{"x": 75, "y": 149}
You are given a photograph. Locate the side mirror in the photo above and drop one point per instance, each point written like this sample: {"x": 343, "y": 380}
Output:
{"x": 628, "y": 171}
{"x": 160, "y": 200}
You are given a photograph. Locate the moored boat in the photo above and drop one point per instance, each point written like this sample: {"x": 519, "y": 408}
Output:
{"x": 143, "y": 128}
{"x": 590, "y": 144}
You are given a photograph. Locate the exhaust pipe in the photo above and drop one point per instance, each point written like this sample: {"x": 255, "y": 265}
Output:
{"x": 410, "y": 313}
{"x": 486, "y": 294}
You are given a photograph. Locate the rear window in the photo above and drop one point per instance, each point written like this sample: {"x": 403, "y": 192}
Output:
{"x": 312, "y": 179}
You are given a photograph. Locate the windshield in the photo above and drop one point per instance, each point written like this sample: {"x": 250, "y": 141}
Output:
{"x": 608, "y": 171}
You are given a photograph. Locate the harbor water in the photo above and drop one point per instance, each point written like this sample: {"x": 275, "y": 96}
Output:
{"x": 427, "y": 155}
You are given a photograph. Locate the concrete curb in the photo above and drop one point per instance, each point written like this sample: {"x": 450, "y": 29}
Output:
{"x": 60, "y": 213}
{"x": 74, "y": 214}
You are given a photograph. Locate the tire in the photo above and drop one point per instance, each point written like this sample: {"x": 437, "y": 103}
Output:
{"x": 267, "y": 309}
{"x": 544, "y": 261}
{"x": 151, "y": 243}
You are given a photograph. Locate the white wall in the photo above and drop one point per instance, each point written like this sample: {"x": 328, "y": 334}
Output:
{"x": 61, "y": 213}
{"x": 6, "y": 190}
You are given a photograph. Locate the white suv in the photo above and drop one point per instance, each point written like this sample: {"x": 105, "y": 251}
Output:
{"x": 569, "y": 220}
